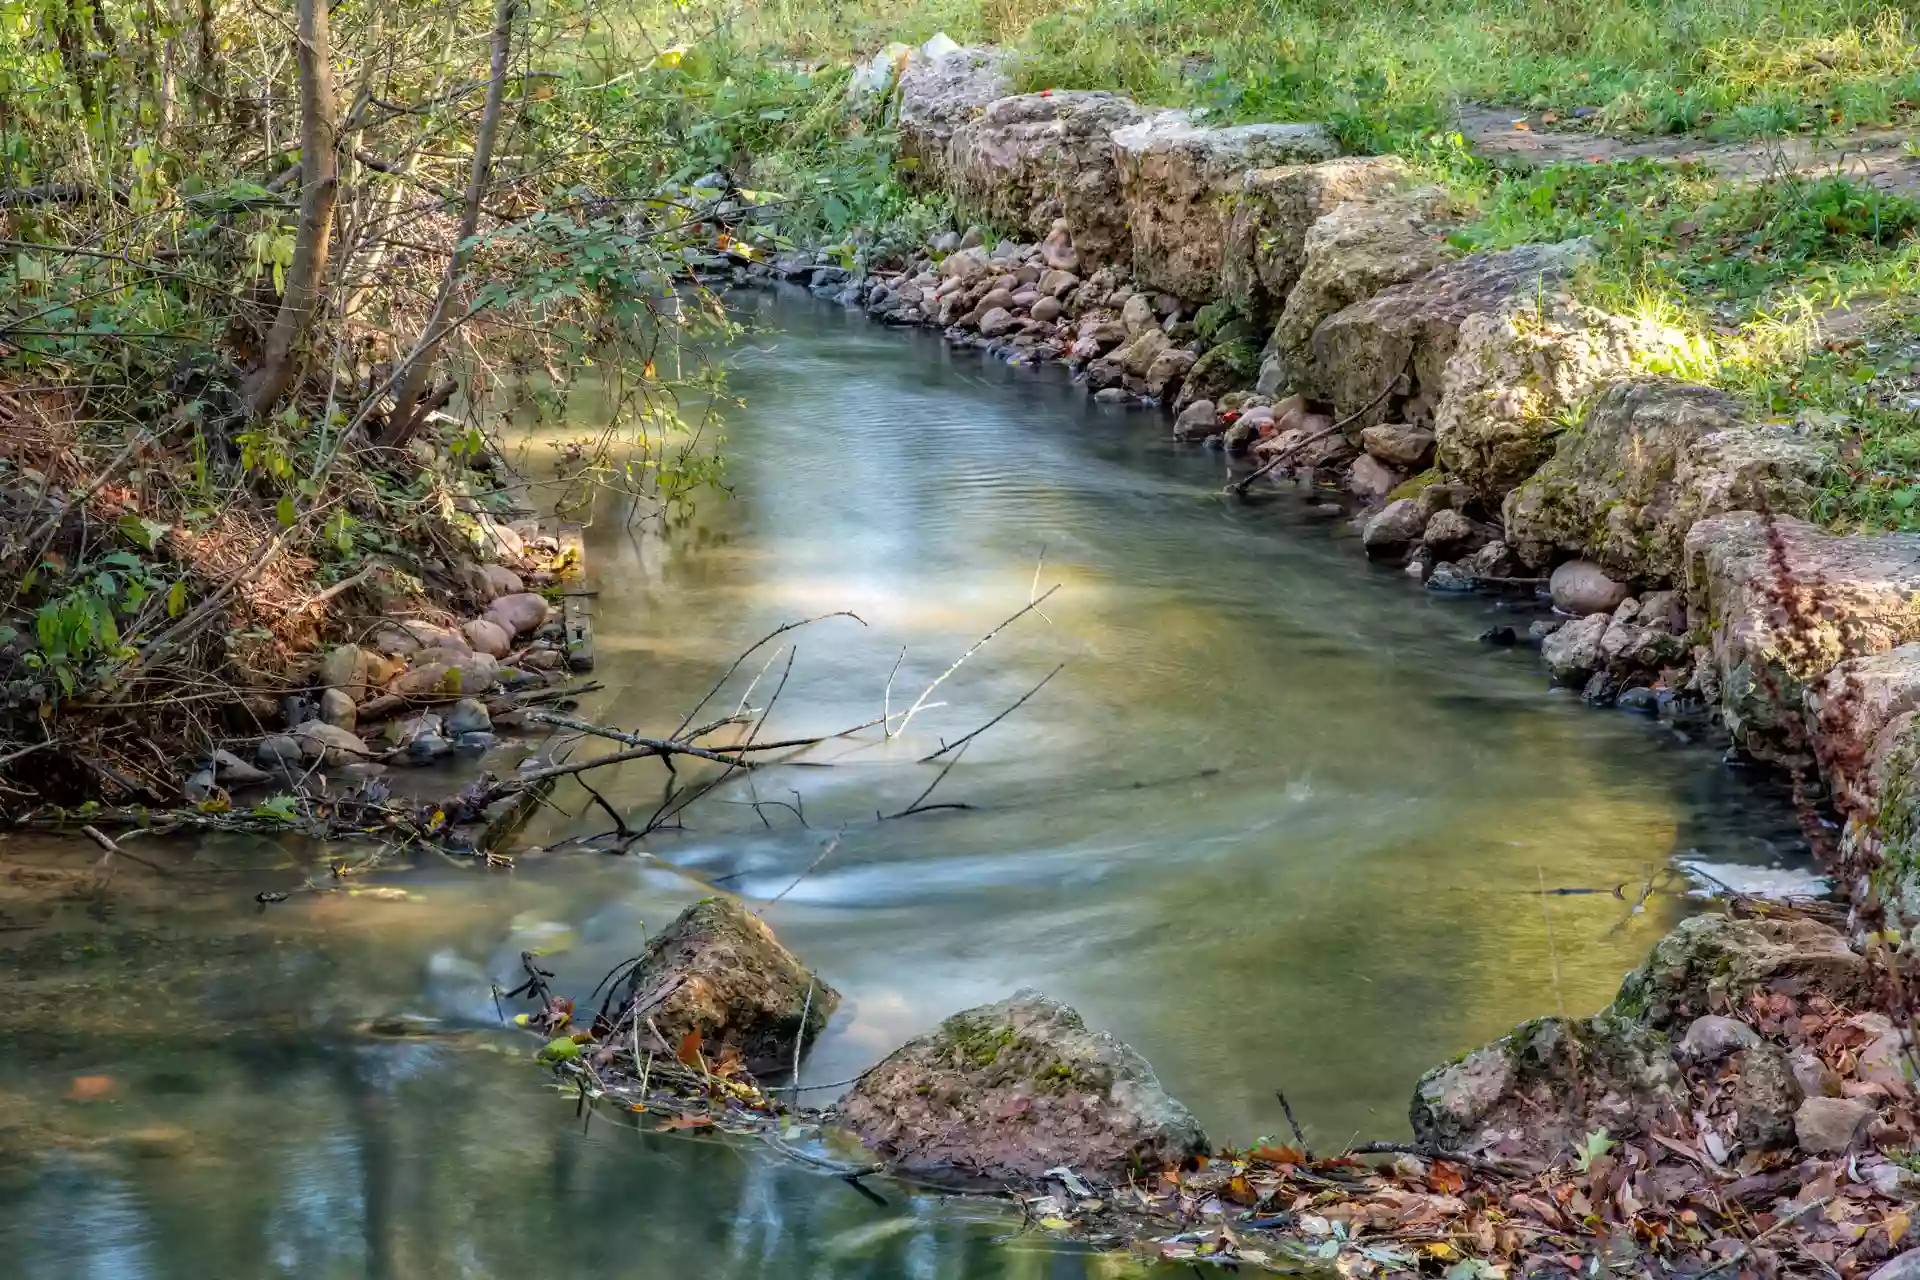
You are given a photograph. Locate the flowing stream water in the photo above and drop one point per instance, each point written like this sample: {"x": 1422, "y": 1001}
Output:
{"x": 1279, "y": 823}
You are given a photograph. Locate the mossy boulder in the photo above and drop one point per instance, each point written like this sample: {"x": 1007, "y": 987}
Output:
{"x": 1848, "y": 595}
{"x": 1712, "y": 963}
{"x": 1649, "y": 458}
{"x": 1272, "y": 213}
{"x": 1209, "y": 320}
{"x": 1180, "y": 180}
{"x": 1231, "y": 364}
{"x": 1010, "y": 1090}
{"x": 1533, "y": 1095}
{"x": 729, "y": 981}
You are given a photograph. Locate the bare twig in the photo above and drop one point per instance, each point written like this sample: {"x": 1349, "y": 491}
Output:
{"x": 1031, "y": 606}
{"x": 955, "y": 745}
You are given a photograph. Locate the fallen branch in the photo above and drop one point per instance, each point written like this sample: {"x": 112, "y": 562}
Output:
{"x": 1031, "y": 606}
{"x": 1245, "y": 482}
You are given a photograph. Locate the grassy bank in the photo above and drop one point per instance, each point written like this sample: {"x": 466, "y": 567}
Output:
{"x": 1737, "y": 68}
{"x": 1792, "y": 289}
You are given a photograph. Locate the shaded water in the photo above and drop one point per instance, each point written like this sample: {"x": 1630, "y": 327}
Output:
{"x": 1279, "y": 822}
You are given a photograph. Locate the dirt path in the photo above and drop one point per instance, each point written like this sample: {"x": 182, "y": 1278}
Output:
{"x": 1880, "y": 157}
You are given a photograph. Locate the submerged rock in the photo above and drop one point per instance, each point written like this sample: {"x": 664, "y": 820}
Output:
{"x": 231, "y": 771}
{"x": 329, "y": 744}
{"x": 1013, "y": 1089}
{"x": 468, "y": 715}
{"x": 733, "y": 985}
{"x": 1394, "y": 529}
{"x": 279, "y": 752}
{"x": 1196, "y": 422}
{"x": 1571, "y": 653}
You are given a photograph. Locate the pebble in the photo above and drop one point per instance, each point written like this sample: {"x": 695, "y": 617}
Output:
{"x": 1499, "y": 637}
{"x": 1641, "y": 699}
{"x": 338, "y": 709}
{"x": 469, "y": 715}
{"x": 427, "y": 746}
{"x": 235, "y": 772}
{"x": 478, "y": 740}
{"x": 1713, "y": 1037}
{"x": 1581, "y": 587}
{"x": 1828, "y": 1126}
{"x": 279, "y": 751}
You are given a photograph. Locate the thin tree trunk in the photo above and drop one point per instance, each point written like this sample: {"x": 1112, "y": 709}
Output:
{"x": 320, "y": 188}
{"x": 408, "y": 407}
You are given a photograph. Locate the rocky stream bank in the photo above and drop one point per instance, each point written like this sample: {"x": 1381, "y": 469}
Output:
{"x": 1304, "y": 313}
{"x": 1740, "y": 1107}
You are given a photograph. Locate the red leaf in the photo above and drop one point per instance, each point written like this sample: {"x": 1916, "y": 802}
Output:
{"x": 689, "y": 1050}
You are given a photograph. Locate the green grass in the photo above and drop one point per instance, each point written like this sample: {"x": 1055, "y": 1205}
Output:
{"x": 1383, "y": 70}
{"x": 1759, "y": 276}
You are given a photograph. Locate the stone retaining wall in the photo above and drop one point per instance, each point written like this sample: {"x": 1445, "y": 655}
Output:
{"x": 1270, "y": 291}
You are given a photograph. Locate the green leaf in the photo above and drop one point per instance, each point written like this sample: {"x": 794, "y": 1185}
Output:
{"x": 1597, "y": 1144}
{"x": 562, "y": 1049}
{"x": 176, "y": 597}
{"x": 284, "y": 513}
{"x": 280, "y": 807}
{"x": 141, "y": 532}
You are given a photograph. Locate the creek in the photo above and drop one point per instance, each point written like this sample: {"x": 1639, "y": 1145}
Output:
{"x": 1280, "y": 822}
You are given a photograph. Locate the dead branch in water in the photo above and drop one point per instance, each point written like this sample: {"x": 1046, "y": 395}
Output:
{"x": 1240, "y": 486}
{"x": 1032, "y": 605}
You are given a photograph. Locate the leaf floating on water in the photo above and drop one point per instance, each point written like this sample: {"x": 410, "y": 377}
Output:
{"x": 562, "y": 1049}
{"x": 91, "y": 1088}
{"x": 684, "y": 1122}
{"x": 1279, "y": 1155}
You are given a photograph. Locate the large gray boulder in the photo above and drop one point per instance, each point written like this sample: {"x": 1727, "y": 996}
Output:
{"x": 1023, "y": 162}
{"x": 1269, "y": 217}
{"x": 1413, "y": 329}
{"x": 1179, "y": 181}
{"x": 1518, "y": 366}
{"x": 1650, "y": 458}
{"x": 1348, "y": 255}
{"x": 937, "y": 96}
{"x": 1534, "y": 1095}
{"x": 1783, "y": 602}
{"x": 1013, "y": 1089}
